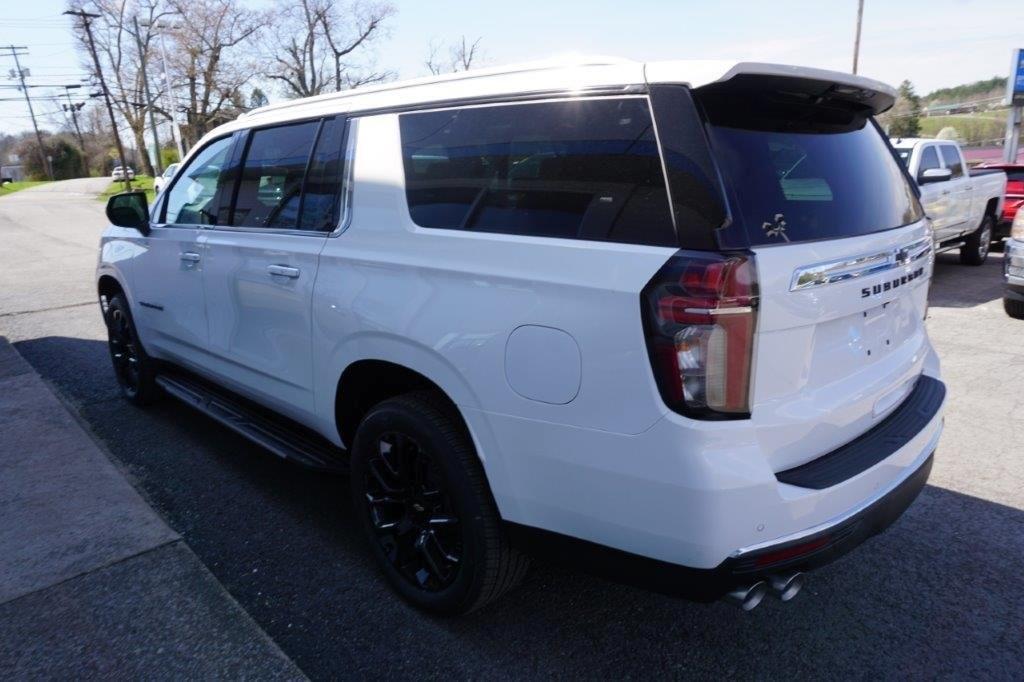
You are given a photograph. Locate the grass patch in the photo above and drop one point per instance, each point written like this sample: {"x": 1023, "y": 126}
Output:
{"x": 12, "y": 187}
{"x": 140, "y": 182}
{"x": 982, "y": 128}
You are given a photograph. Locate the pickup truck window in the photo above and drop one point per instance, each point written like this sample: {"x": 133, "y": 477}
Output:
{"x": 929, "y": 160}
{"x": 951, "y": 155}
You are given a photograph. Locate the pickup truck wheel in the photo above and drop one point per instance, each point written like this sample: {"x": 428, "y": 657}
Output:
{"x": 135, "y": 371}
{"x": 422, "y": 498}
{"x": 1014, "y": 308}
{"x": 975, "y": 250}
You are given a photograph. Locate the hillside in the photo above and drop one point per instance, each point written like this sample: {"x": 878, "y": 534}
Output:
{"x": 969, "y": 92}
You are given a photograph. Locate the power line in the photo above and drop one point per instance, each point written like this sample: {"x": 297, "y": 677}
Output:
{"x": 15, "y": 52}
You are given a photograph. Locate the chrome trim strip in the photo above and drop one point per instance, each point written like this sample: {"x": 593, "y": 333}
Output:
{"x": 844, "y": 269}
{"x": 720, "y": 311}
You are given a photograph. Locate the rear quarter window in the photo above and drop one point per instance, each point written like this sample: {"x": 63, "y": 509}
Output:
{"x": 573, "y": 169}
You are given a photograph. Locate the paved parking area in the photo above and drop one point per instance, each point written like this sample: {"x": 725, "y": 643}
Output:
{"x": 938, "y": 595}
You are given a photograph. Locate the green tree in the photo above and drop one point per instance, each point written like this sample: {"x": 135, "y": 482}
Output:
{"x": 168, "y": 155}
{"x": 65, "y": 157}
{"x": 904, "y": 119}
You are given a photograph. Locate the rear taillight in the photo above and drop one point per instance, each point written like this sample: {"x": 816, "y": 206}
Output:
{"x": 700, "y": 313}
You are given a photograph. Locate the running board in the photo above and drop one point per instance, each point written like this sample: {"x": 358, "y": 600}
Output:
{"x": 949, "y": 246}
{"x": 284, "y": 438}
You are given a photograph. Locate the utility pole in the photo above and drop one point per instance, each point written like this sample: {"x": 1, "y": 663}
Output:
{"x": 73, "y": 109}
{"x": 85, "y": 17}
{"x": 157, "y": 166}
{"x": 856, "y": 40}
{"x": 28, "y": 100}
{"x": 173, "y": 107}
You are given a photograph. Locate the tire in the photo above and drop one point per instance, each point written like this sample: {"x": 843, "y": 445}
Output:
{"x": 135, "y": 371}
{"x": 976, "y": 248}
{"x": 422, "y": 499}
{"x": 1014, "y": 308}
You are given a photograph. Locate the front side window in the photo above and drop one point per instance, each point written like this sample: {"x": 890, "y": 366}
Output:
{"x": 192, "y": 200}
{"x": 272, "y": 173}
{"x": 574, "y": 169}
{"x": 951, "y": 156}
{"x": 929, "y": 160}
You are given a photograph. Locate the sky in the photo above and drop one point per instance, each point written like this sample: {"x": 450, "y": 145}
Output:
{"x": 933, "y": 43}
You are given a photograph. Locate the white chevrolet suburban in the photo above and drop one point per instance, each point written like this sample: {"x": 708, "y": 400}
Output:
{"x": 963, "y": 205}
{"x": 664, "y": 320}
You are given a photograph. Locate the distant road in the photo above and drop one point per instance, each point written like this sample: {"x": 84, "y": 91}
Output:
{"x": 43, "y": 234}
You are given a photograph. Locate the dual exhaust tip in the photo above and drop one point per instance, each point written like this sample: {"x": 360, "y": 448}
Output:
{"x": 784, "y": 587}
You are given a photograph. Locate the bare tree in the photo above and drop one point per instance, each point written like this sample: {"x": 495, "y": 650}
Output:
{"x": 121, "y": 59}
{"x": 462, "y": 56}
{"x": 321, "y": 42}
{"x": 211, "y": 59}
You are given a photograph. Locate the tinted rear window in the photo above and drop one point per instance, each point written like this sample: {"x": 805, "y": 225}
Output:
{"x": 800, "y": 167}
{"x": 575, "y": 169}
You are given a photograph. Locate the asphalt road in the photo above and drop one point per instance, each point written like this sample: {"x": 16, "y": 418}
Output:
{"x": 939, "y": 595}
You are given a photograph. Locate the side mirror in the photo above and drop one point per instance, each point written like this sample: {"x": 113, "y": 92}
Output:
{"x": 934, "y": 175}
{"x": 129, "y": 209}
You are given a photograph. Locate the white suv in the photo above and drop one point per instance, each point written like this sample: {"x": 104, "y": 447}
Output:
{"x": 665, "y": 320}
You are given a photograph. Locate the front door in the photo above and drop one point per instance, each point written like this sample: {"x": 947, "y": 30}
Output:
{"x": 262, "y": 265}
{"x": 935, "y": 196}
{"x": 169, "y": 269}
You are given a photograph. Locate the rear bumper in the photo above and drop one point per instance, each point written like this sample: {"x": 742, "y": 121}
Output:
{"x": 816, "y": 548}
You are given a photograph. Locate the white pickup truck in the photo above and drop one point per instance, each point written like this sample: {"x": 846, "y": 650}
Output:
{"x": 962, "y": 204}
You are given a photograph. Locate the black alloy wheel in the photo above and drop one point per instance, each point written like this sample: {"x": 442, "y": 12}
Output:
{"x": 134, "y": 370}
{"x": 421, "y": 496}
{"x": 411, "y": 512}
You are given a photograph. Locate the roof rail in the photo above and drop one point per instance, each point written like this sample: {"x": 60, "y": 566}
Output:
{"x": 562, "y": 62}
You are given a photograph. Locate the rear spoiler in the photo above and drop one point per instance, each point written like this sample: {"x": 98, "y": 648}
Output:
{"x": 866, "y": 91}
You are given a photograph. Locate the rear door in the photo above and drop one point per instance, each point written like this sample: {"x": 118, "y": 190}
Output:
{"x": 961, "y": 191}
{"x": 262, "y": 264}
{"x": 843, "y": 260}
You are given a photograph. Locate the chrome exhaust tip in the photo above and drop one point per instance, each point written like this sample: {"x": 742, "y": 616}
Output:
{"x": 785, "y": 587}
{"x": 748, "y": 598}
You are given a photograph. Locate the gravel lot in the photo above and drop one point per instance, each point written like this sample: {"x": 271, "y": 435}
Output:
{"x": 938, "y": 595}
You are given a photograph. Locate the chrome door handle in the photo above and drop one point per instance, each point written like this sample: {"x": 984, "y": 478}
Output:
{"x": 283, "y": 271}
{"x": 190, "y": 257}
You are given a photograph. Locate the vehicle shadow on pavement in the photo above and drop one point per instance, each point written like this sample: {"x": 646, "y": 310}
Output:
{"x": 936, "y": 595}
{"x": 964, "y": 286}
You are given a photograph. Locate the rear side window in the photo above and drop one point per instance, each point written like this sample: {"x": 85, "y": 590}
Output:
{"x": 952, "y": 158}
{"x": 575, "y": 169}
{"x": 325, "y": 178}
{"x": 270, "y": 186}
{"x": 803, "y": 166}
